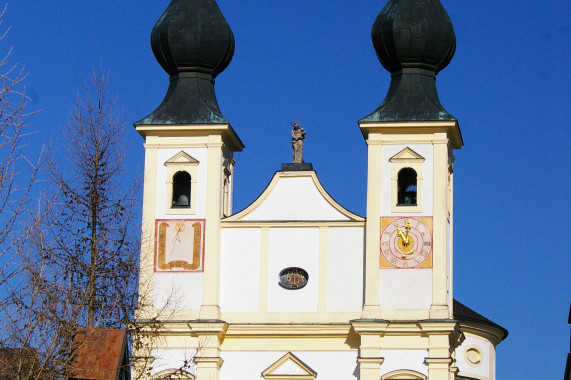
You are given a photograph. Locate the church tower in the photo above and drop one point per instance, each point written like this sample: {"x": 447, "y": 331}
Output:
{"x": 410, "y": 139}
{"x": 188, "y": 178}
{"x": 295, "y": 286}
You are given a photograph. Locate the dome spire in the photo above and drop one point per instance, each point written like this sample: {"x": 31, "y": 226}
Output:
{"x": 193, "y": 43}
{"x": 414, "y": 40}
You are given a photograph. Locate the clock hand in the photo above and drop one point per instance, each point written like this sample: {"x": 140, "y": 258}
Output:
{"x": 403, "y": 237}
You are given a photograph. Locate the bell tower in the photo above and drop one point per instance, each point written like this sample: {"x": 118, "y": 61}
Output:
{"x": 189, "y": 159}
{"x": 410, "y": 139}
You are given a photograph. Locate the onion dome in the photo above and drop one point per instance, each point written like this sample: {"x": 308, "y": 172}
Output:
{"x": 193, "y": 43}
{"x": 414, "y": 40}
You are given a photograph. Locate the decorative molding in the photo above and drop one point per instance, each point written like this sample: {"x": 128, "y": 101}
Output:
{"x": 173, "y": 374}
{"x": 181, "y": 159}
{"x": 289, "y": 367}
{"x": 407, "y": 155}
{"x": 272, "y": 185}
{"x": 404, "y": 374}
{"x": 473, "y": 355}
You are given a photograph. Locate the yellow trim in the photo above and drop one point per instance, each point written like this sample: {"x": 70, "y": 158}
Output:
{"x": 372, "y": 309}
{"x": 210, "y": 308}
{"x": 440, "y": 308}
{"x": 281, "y": 317}
{"x": 264, "y": 269}
{"x": 225, "y": 223}
{"x": 481, "y": 330}
{"x": 403, "y": 374}
{"x": 413, "y": 129}
{"x": 225, "y": 130}
{"x": 323, "y": 269}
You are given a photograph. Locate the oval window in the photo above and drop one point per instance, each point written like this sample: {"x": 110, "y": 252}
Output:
{"x": 293, "y": 278}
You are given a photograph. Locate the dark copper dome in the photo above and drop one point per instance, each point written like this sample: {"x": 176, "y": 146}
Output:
{"x": 414, "y": 40}
{"x": 414, "y": 33}
{"x": 193, "y": 35}
{"x": 193, "y": 43}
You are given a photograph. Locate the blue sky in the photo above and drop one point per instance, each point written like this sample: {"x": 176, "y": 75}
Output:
{"x": 509, "y": 85}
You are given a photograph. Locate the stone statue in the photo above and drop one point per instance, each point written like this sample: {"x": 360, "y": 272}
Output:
{"x": 297, "y": 137}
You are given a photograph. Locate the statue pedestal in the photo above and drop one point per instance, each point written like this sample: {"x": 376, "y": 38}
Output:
{"x": 297, "y": 167}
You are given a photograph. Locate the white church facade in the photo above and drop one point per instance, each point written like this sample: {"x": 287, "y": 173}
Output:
{"x": 295, "y": 286}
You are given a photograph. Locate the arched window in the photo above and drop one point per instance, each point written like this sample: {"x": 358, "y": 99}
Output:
{"x": 181, "y": 190}
{"x": 173, "y": 374}
{"x": 407, "y": 187}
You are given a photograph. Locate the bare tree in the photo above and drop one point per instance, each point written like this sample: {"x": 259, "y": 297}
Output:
{"x": 93, "y": 238}
{"x": 17, "y": 171}
{"x": 80, "y": 262}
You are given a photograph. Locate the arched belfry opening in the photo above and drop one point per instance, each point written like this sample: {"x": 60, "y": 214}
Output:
{"x": 406, "y": 181}
{"x": 407, "y": 189}
{"x": 181, "y": 190}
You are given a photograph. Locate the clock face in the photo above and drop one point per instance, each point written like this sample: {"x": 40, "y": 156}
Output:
{"x": 406, "y": 242}
{"x": 179, "y": 245}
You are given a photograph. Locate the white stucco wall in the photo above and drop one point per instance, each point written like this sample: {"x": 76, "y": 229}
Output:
{"x": 293, "y": 247}
{"x": 329, "y": 365}
{"x": 485, "y": 369}
{"x": 292, "y": 199}
{"x": 426, "y": 151}
{"x": 345, "y": 269}
{"x": 405, "y": 289}
{"x": 404, "y": 359}
{"x": 177, "y": 291}
{"x": 240, "y": 269}
{"x": 164, "y": 155}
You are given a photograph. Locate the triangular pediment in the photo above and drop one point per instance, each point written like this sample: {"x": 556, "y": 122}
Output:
{"x": 181, "y": 158}
{"x": 407, "y": 155}
{"x": 289, "y": 366}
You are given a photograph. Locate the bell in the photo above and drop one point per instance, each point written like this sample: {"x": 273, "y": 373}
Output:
{"x": 182, "y": 201}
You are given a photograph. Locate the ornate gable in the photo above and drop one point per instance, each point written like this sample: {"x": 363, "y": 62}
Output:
{"x": 295, "y": 196}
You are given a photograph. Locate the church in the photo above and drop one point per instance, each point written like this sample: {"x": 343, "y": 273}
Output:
{"x": 295, "y": 286}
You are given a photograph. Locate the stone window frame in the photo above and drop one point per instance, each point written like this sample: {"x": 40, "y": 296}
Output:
{"x": 406, "y": 158}
{"x": 181, "y": 162}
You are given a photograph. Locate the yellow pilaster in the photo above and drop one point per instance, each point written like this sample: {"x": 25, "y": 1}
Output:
{"x": 323, "y": 248}
{"x": 210, "y": 309}
{"x": 148, "y": 231}
{"x": 264, "y": 269}
{"x": 439, "y": 307}
{"x": 208, "y": 360}
{"x": 443, "y": 338}
{"x": 451, "y": 239}
{"x": 370, "y": 359}
{"x": 371, "y": 309}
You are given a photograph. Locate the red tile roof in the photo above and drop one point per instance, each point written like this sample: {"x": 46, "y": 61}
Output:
{"x": 100, "y": 354}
